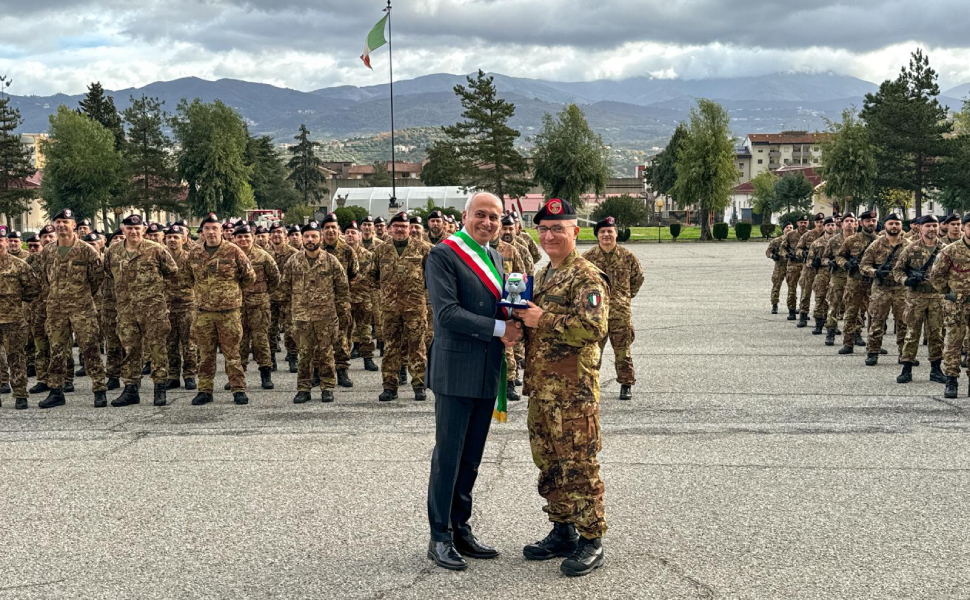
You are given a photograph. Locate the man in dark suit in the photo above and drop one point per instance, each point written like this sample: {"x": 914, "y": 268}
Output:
{"x": 465, "y": 280}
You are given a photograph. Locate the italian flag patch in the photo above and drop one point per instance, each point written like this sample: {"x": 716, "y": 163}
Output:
{"x": 594, "y": 299}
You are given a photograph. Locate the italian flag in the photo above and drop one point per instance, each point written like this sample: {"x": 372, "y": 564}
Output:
{"x": 375, "y": 39}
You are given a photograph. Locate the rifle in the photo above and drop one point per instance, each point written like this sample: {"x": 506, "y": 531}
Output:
{"x": 886, "y": 267}
{"x": 916, "y": 277}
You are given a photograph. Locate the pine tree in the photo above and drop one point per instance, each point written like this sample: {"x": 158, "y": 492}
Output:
{"x": 305, "y": 173}
{"x": 569, "y": 159}
{"x": 443, "y": 167}
{"x": 662, "y": 174}
{"x": 96, "y": 105}
{"x": 849, "y": 162}
{"x": 154, "y": 183}
{"x": 271, "y": 188}
{"x": 14, "y": 161}
{"x": 381, "y": 176}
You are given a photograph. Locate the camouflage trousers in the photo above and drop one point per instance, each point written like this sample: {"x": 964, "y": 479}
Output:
{"x": 956, "y": 316}
{"x": 621, "y": 336}
{"x": 256, "y": 321}
{"x": 4, "y": 368}
{"x": 923, "y": 309}
{"x": 60, "y": 323}
{"x": 14, "y": 343}
{"x": 183, "y": 354}
{"x": 565, "y": 437}
{"x": 821, "y": 289}
{"x": 792, "y": 276}
{"x": 375, "y": 302}
{"x": 282, "y": 323}
{"x": 38, "y": 330}
{"x": 429, "y": 330}
{"x": 777, "y": 278}
{"x": 219, "y": 329}
{"x": 807, "y": 282}
{"x": 835, "y": 299}
{"x": 316, "y": 352}
{"x": 114, "y": 353}
{"x": 144, "y": 329}
{"x": 404, "y": 339}
{"x": 885, "y": 298}
{"x": 341, "y": 349}
{"x": 856, "y": 301}
{"x": 362, "y": 314}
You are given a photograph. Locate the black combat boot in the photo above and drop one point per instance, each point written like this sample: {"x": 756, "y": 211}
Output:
{"x": 315, "y": 381}
{"x": 380, "y": 347}
{"x": 301, "y": 398}
{"x": 39, "y": 388}
{"x": 872, "y": 360}
{"x": 858, "y": 339}
{"x": 420, "y": 394}
{"x": 819, "y": 326}
{"x": 147, "y": 369}
{"x": 172, "y": 384}
{"x": 907, "y": 375}
{"x": 963, "y": 362}
{"x": 951, "y": 388}
{"x": 68, "y": 387}
{"x": 5, "y": 388}
{"x": 518, "y": 382}
{"x": 402, "y": 375}
{"x": 791, "y": 315}
{"x": 846, "y": 350}
{"x": 326, "y": 396}
{"x": 355, "y": 351}
{"x": 936, "y": 373}
{"x": 292, "y": 360}
{"x": 80, "y": 372}
{"x": 56, "y": 398}
{"x": 829, "y": 337}
{"x": 561, "y": 541}
{"x": 190, "y": 383}
{"x": 159, "y": 394}
{"x": 802, "y": 320}
{"x": 100, "y": 399}
{"x": 128, "y": 396}
{"x": 266, "y": 378}
{"x": 883, "y": 351}
{"x": 343, "y": 380}
{"x": 227, "y": 387}
{"x": 31, "y": 371}
{"x": 588, "y": 556}
{"x": 387, "y": 395}
{"x": 274, "y": 361}
{"x": 240, "y": 398}
{"x": 774, "y": 309}
{"x": 370, "y": 365}
{"x": 113, "y": 383}
{"x": 21, "y": 404}
{"x": 202, "y": 398}
{"x": 510, "y": 394}
{"x": 625, "y": 392}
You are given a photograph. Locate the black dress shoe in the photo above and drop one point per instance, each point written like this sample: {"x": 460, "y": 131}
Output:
{"x": 468, "y": 545}
{"x": 445, "y": 556}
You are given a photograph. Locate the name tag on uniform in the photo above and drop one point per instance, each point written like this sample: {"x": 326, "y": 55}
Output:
{"x": 554, "y": 298}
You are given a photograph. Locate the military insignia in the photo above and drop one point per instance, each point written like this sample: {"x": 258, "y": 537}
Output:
{"x": 594, "y": 299}
{"x": 554, "y": 207}
{"x": 610, "y": 221}
{"x": 67, "y": 213}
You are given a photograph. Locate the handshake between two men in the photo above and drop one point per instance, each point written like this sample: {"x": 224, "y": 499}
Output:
{"x": 520, "y": 316}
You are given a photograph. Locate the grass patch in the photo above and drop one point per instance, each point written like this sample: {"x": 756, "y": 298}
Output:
{"x": 649, "y": 234}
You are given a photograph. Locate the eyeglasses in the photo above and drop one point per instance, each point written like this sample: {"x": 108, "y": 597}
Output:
{"x": 555, "y": 229}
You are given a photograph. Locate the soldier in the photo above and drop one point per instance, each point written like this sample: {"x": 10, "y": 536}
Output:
{"x": 951, "y": 277}
{"x": 781, "y": 266}
{"x": 154, "y": 233}
{"x": 361, "y": 310}
{"x": 565, "y": 323}
{"x": 950, "y": 230}
{"x": 923, "y": 303}
{"x": 33, "y": 247}
{"x": 451, "y": 225}
{"x": 14, "y": 245}
{"x": 834, "y": 297}
{"x": 38, "y": 310}
{"x": 18, "y": 287}
{"x": 818, "y": 259}
{"x": 806, "y": 280}
{"x": 294, "y": 237}
{"x": 220, "y": 271}
{"x": 347, "y": 258}
{"x": 227, "y": 229}
{"x": 380, "y": 229}
{"x": 114, "y": 353}
{"x": 436, "y": 227}
{"x": 137, "y": 270}
{"x": 183, "y": 354}
{"x": 279, "y": 303}
{"x": 788, "y": 246}
{"x": 511, "y": 263}
{"x": 256, "y": 308}
{"x": 416, "y": 230}
{"x": 317, "y": 284}
{"x": 626, "y": 277}
{"x": 368, "y": 237}
{"x": 857, "y": 285}
{"x": 878, "y": 262}
{"x": 83, "y": 228}
{"x": 71, "y": 272}
{"x": 262, "y": 237}
{"x": 527, "y": 240}
{"x": 398, "y": 268}
{"x": 371, "y": 241}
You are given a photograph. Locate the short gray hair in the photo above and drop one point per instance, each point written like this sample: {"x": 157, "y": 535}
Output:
{"x": 468, "y": 203}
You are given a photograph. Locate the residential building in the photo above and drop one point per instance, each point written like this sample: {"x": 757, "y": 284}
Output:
{"x": 771, "y": 151}
{"x": 740, "y": 208}
{"x": 32, "y": 142}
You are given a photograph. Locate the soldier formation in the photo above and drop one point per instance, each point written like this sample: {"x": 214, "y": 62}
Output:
{"x": 858, "y": 277}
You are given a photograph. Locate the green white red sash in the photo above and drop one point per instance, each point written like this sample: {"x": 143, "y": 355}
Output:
{"x": 476, "y": 258}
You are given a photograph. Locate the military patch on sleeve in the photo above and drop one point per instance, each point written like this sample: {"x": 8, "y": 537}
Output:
{"x": 594, "y": 299}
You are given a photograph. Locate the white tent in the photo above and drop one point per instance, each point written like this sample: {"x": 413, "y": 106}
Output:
{"x": 375, "y": 199}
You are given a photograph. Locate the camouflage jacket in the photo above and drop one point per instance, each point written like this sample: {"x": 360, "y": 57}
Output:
{"x": 317, "y": 292}
{"x": 218, "y": 280}
{"x": 362, "y": 287}
{"x": 805, "y": 242}
{"x": 18, "y": 285}
{"x": 434, "y": 241}
{"x": 17, "y": 250}
{"x": 832, "y": 246}
{"x": 816, "y": 252}
{"x": 531, "y": 245}
{"x": 179, "y": 293}
{"x": 346, "y": 256}
{"x": 72, "y": 280}
{"x": 625, "y": 275}
{"x": 852, "y": 249}
{"x": 946, "y": 241}
{"x": 914, "y": 257}
{"x": 562, "y": 354}
{"x": 401, "y": 278}
{"x": 36, "y": 262}
{"x": 511, "y": 259}
{"x": 139, "y": 281}
{"x": 951, "y": 271}
{"x": 530, "y": 264}
{"x": 789, "y": 245}
{"x": 881, "y": 252}
{"x": 372, "y": 243}
{"x": 267, "y": 277}
{"x": 281, "y": 254}
{"x": 774, "y": 250}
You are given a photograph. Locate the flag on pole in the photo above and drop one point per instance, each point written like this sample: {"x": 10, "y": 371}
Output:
{"x": 375, "y": 39}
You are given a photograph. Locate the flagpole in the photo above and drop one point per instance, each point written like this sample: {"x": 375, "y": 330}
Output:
{"x": 390, "y": 65}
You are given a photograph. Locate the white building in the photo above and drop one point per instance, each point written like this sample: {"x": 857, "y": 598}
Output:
{"x": 377, "y": 199}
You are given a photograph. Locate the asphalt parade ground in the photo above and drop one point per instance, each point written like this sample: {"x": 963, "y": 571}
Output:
{"x": 753, "y": 462}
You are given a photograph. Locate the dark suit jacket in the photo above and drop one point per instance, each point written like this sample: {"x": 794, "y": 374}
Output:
{"x": 465, "y": 359}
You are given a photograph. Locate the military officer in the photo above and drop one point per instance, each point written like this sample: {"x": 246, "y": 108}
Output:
{"x": 183, "y": 354}
{"x": 18, "y": 287}
{"x": 371, "y": 241}
{"x": 806, "y": 280}
{"x": 368, "y": 237}
{"x": 857, "y": 285}
{"x": 361, "y": 310}
{"x": 887, "y": 294}
{"x": 256, "y": 305}
{"x": 788, "y": 247}
{"x": 347, "y": 258}
{"x": 950, "y": 276}
{"x": 781, "y": 266}
{"x": 38, "y": 310}
{"x": 294, "y": 237}
{"x": 835, "y": 296}
{"x": 380, "y": 229}
{"x": 279, "y": 303}
{"x": 436, "y": 227}
{"x": 818, "y": 259}
{"x": 83, "y": 228}
{"x": 626, "y": 277}
{"x": 950, "y": 230}
{"x": 565, "y": 323}
{"x": 262, "y": 237}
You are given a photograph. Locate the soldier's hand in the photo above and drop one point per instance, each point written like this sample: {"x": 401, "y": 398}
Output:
{"x": 513, "y": 333}
{"x": 529, "y": 316}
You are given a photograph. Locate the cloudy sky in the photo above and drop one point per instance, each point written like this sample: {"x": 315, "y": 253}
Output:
{"x": 50, "y": 46}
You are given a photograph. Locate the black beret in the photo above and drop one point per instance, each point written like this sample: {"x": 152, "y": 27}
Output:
{"x": 607, "y": 222}
{"x": 435, "y": 214}
{"x": 820, "y": 217}
{"x": 13, "y": 235}
{"x": 367, "y": 219}
{"x": 64, "y": 213}
{"x": 292, "y": 229}
{"x": 33, "y": 239}
{"x": 277, "y": 227}
{"x": 803, "y": 217}
{"x": 353, "y": 225}
{"x": 47, "y": 229}
{"x": 92, "y": 237}
{"x": 84, "y": 222}
{"x": 260, "y": 230}
{"x": 153, "y": 228}
{"x": 331, "y": 218}
{"x": 311, "y": 226}
{"x": 828, "y": 220}
{"x": 416, "y": 220}
{"x": 182, "y": 222}
{"x": 848, "y": 215}
{"x": 210, "y": 218}
{"x": 555, "y": 210}
{"x": 951, "y": 218}
{"x": 966, "y": 219}
{"x": 401, "y": 217}
{"x": 176, "y": 229}
{"x": 869, "y": 214}
{"x": 507, "y": 221}
{"x": 243, "y": 229}
{"x": 133, "y": 220}
{"x": 378, "y": 220}
{"x": 929, "y": 219}
{"x": 892, "y": 217}
{"x": 228, "y": 225}
{"x": 449, "y": 219}
{"x": 515, "y": 216}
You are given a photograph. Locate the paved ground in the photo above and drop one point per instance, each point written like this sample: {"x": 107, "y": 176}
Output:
{"x": 753, "y": 463}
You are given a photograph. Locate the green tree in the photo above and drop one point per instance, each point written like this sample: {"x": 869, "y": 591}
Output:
{"x": 705, "y": 163}
{"x": 296, "y": 214}
{"x": 15, "y": 166}
{"x": 961, "y": 120}
{"x": 848, "y": 161}
{"x": 154, "y": 183}
{"x": 444, "y": 167}
{"x": 907, "y": 125}
{"x": 346, "y": 214}
{"x": 662, "y": 174}
{"x": 955, "y": 193}
{"x": 381, "y": 176}
{"x": 627, "y": 210}
{"x": 485, "y": 142}
{"x": 793, "y": 191}
{"x": 96, "y": 105}
{"x": 268, "y": 178}
{"x": 212, "y": 143}
{"x": 430, "y": 206}
{"x": 305, "y": 170}
{"x": 763, "y": 200}
{"x": 568, "y": 159}
{"x": 82, "y": 166}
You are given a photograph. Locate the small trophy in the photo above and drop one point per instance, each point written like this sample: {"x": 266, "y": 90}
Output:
{"x": 518, "y": 289}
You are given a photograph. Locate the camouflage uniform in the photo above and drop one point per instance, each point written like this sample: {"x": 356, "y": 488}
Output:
{"x": 38, "y": 320}
{"x": 887, "y": 293}
{"x": 806, "y": 280}
{"x": 320, "y": 297}
{"x": 923, "y": 303}
{"x": 71, "y": 282}
{"x": 789, "y": 243}
{"x": 361, "y": 305}
{"x": 531, "y": 245}
{"x": 836, "y": 283}
{"x": 857, "y": 286}
{"x": 781, "y": 268}
{"x": 626, "y": 277}
{"x": 511, "y": 263}
{"x": 217, "y": 281}
{"x": 562, "y": 382}
{"x": 256, "y": 317}
{"x": 951, "y": 275}
{"x": 529, "y": 270}
{"x": 347, "y": 258}
{"x": 818, "y": 255}
{"x": 403, "y": 304}
{"x": 280, "y": 304}
{"x": 18, "y": 285}
{"x": 183, "y": 354}
{"x": 375, "y": 294}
